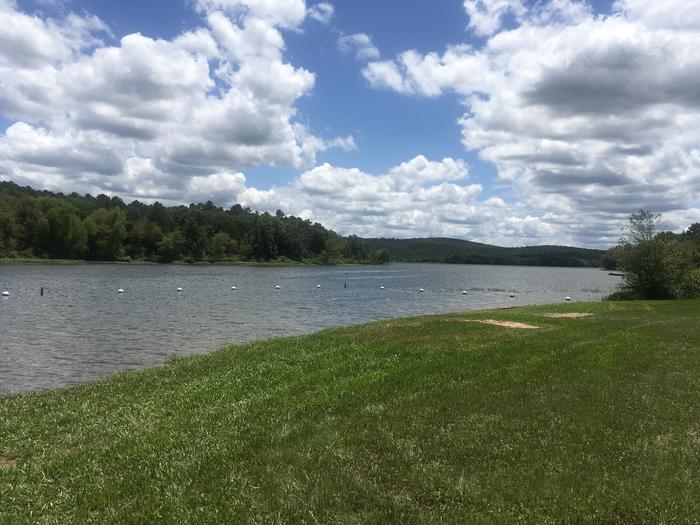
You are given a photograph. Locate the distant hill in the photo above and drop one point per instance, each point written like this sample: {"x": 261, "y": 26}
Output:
{"x": 443, "y": 250}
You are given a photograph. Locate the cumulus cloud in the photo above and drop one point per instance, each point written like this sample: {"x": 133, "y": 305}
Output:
{"x": 360, "y": 45}
{"x": 485, "y": 16}
{"x": 671, "y": 14}
{"x": 146, "y": 111}
{"x": 29, "y": 41}
{"x": 416, "y": 198}
{"x": 566, "y": 107}
{"x": 321, "y": 12}
{"x": 280, "y": 13}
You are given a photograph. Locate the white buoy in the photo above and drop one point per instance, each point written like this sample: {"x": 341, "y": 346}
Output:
{"x": 233, "y": 288}
{"x": 318, "y": 286}
{"x": 464, "y": 292}
{"x": 120, "y": 290}
{"x": 179, "y": 289}
{"x": 6, "y": 294}
{"x": 567, "y": 298}
{"x": 381, "y": 287}
{"x": 277, "y": 287}
{"x": 511, "y": 295}
{"x": 421, "y": 290}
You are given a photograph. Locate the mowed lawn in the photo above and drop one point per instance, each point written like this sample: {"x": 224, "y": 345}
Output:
{"x": 417, "y": 420}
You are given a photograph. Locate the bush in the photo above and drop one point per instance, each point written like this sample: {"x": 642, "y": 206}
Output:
{"x": 690, "y": 284}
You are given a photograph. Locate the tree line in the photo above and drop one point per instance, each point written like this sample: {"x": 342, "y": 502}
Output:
{"x": 42, "y": 224}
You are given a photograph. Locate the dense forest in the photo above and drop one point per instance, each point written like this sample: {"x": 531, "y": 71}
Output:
{"x": 42, "y": 224}
{"x": 49, "y": 225}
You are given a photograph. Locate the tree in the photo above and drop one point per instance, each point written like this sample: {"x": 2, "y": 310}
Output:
{"x": 380, "y": 257}
{"x": 356, "y": 249}
{"x": 170, "y": 248}
{"x": 221, "y": 246}
{"x": 8, "y": 231}
{"x": 67, "y": 234}
{"x": 654, "y": 265}
{"x": 611, "y": 258}
{"x": 264, "y": 245}
{"x": 43, "y": 236}
{"x": 106, "y": 230}
{"x": 332, "y": 251}
{"x": 142, "y": 239}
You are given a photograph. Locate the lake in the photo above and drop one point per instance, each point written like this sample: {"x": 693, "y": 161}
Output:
{"x": 82, "y": 329}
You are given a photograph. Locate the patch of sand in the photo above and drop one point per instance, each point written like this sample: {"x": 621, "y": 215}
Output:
{"x": 504, "y": 324}
{"x": 570, "y": 315}
{"x": 6, "y": 463}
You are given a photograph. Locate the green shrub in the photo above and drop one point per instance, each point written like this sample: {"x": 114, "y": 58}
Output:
{"x": 690, "y": 284}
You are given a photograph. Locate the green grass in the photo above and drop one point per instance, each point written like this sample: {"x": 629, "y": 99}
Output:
{"x": 414, "y": 420}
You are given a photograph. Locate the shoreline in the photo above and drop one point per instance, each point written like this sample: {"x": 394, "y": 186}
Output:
{"x": 499, "y": 415}
{"x": 265, "y": 340}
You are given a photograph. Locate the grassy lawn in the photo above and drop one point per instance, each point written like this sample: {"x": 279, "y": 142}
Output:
{"x": 418, "y": 420}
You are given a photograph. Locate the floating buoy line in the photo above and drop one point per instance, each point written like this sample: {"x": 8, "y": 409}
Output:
{"x": 179, "y": 289}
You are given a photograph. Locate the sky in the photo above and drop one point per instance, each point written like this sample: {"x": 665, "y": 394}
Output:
{"x": 501, "y": 121}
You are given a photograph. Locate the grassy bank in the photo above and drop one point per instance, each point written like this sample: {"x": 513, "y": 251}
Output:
{"x": 410, "y": 420}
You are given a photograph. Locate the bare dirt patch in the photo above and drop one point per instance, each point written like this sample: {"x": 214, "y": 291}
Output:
{"x": 6, "y": 463}
{"x": 504, "y": 324}
{"x": 569, "y": 315}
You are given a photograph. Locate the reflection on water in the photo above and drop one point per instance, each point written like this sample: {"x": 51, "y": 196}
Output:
{"x": 82, "y": 329}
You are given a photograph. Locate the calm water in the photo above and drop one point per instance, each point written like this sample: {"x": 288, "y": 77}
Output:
{"x": 82, "y": 329}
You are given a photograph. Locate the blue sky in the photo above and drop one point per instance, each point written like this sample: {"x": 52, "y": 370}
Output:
{"x": 501, "y": 121}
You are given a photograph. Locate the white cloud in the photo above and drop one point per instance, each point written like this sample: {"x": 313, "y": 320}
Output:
{"x": 344, "y": 143}
{"x": 671, "y": 14}
{"x": 566, "y": 107}
{"x": 485, "y": 16}
{"x": 386, "y": 74}
{"x": 419, "y": 197}
{"x": 359, "y": 44}
{"x": 283, "y": 13}
{"x": 416, "y": 198}
{"x": 321, "y": 12}
{"x": 149, "y": 116}
{"x": 31, "y": 42}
